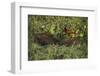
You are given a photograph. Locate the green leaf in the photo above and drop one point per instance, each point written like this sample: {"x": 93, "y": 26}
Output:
{"x": 52, "y": 29}
{"x": 81, "y": 35}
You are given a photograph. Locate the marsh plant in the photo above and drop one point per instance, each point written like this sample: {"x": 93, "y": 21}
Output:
{"x": 57, "y": 37}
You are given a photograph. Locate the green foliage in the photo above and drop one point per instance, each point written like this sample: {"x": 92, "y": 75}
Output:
{"x": 48, "y": 52}
{"x": 58, "y": 43}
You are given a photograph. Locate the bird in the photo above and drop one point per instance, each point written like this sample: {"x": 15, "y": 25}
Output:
{"x": 68, "y": 31}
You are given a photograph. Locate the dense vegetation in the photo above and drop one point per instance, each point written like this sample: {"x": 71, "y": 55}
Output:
{"x": 57, "y": 37}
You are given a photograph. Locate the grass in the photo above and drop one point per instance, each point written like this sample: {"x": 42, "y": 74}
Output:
{"x": 57, "y": 37}
{"x": 49, "y": 52}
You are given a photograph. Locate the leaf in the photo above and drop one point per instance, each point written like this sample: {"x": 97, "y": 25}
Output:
{"x": 77, "y": 30}
{"x": 42, "y": 26}
{"x": 52, "y": 29}
{"x": 85, "y": 26}
{"x": 81, "y": 35}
